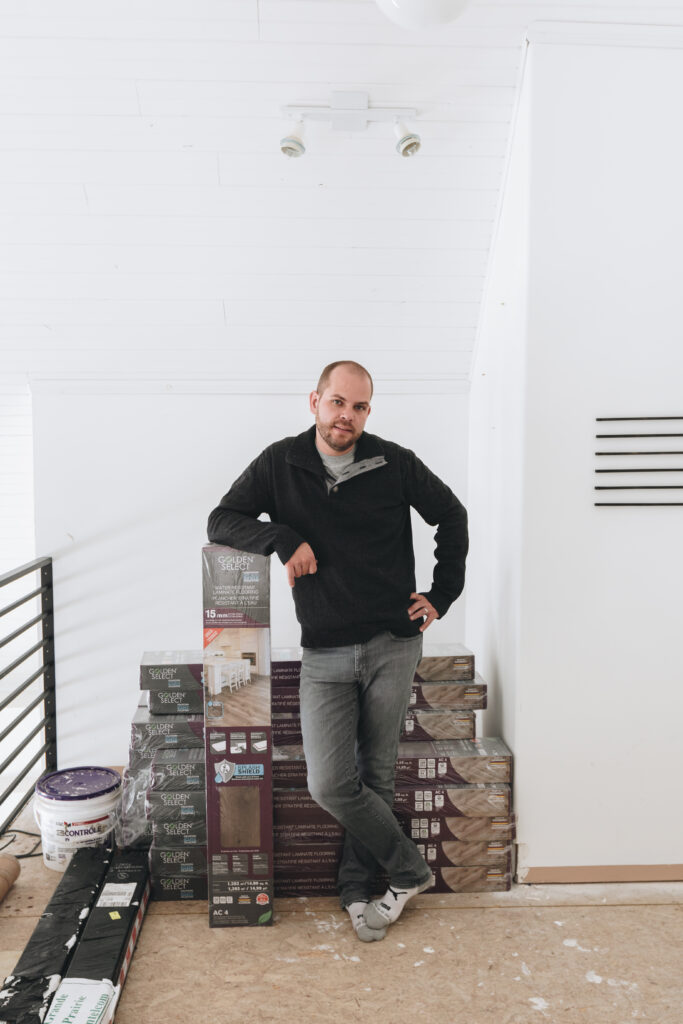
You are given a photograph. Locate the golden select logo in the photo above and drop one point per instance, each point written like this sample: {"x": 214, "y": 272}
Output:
{"x": 162, "y": 673}
{"x": 235, "y": 563}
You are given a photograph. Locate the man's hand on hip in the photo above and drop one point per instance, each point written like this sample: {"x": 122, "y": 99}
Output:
{"x": 302, "y": 563}
{"x": 422, "y": 609}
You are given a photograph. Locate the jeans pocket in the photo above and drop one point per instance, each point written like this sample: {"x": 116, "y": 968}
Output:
{"x": 404, "y": 639}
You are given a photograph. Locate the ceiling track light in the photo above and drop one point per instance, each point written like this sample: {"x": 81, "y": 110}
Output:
{"x": 407, "y": 143}
{"x": 349, "y": 112}
{"x": 292, "y": 144}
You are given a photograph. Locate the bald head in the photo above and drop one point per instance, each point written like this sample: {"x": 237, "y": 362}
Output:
{"x": 349, "y": 366}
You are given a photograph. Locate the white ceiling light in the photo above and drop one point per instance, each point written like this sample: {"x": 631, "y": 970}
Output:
{"x": 407, "y": 143}
{"x": 421, "y": 13}
{"x": 293, "y": 143}
{"x": 348, "y": 112}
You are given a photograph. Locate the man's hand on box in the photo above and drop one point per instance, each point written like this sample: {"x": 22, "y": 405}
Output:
{"x": 302, "y": 563}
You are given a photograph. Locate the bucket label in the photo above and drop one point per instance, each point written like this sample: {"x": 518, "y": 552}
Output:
{"x": 67, "y": 831}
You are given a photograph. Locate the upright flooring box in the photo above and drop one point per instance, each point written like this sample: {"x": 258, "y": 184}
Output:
{"x": 236, "y": 593}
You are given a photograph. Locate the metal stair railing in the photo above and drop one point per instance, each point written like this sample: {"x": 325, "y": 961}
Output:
{"x": 47, "y": 670}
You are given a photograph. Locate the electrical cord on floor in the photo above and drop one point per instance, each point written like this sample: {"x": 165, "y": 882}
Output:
{"x": 12, "y": 833}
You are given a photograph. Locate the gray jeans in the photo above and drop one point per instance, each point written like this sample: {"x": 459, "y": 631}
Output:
{"x": 353, "y": 704}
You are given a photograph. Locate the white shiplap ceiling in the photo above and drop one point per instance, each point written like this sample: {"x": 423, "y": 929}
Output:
{"x": 149, "y": 220}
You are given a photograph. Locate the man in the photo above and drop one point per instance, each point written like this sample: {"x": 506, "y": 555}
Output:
{"x": 339, "y": 504}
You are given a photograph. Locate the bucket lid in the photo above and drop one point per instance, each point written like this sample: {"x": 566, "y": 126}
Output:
{"x": 78, "y": 783}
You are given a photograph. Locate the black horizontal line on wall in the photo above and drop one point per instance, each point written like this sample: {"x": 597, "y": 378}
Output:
{"x": 633, "y": 419}
{"x": 638, "y": 435}
{"x": 638, "y": 504}
{"x": 641, "y": 487}
{"x": 640, "y": 453}
{"x": 649, "y": 469}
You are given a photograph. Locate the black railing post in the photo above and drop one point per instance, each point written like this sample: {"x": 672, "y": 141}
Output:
{"x": 47, "y": 608}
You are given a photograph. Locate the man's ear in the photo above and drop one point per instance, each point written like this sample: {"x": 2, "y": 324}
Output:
{"x": 313, "y": 399}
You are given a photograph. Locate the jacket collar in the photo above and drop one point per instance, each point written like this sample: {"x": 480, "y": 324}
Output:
{"x": 303, "y": 452}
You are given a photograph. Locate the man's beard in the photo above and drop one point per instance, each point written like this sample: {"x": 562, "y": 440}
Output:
{"x": 340, "y": 444}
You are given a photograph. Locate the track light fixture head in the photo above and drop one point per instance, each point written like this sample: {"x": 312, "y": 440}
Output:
{"x": 407, "y": 143}
{"x": 292, "y": 145}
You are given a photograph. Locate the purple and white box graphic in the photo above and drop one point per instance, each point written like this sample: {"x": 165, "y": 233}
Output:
{"x": 438, "y": 725}
{"x": 428, "y": 826}
{"x": 469, "y": 800}
{"x": 486, "y": 759}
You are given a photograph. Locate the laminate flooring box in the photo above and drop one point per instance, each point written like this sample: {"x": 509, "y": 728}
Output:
{"x": 444, "y": 724}
{"x": 174, "y": 682}
{"x": 485, "y": 759}
{"x": 455, "y": 663}
{"x": 285, "y": 669}
{"x": 419, "y": 725}
{"x": 427, "y": 826}
{"x": 237, "y": 693}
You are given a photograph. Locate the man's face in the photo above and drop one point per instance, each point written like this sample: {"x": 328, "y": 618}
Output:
{"x": 341, "y": 411}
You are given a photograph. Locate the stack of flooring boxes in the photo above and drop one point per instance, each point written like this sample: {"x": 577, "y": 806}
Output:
{"x": 453, "y": 793}
{"x": 164, "y": 785}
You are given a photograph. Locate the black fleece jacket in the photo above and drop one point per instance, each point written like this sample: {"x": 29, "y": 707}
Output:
{"x": 360, "y": 533}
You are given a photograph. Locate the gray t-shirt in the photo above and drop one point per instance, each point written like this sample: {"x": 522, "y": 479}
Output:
{"x": 335, "y": 465}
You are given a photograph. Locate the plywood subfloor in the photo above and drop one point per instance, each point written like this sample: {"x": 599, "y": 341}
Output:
{"x": 590, "y": 954}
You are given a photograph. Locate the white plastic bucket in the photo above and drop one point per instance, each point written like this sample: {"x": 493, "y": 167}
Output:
{"x": 73, "y": 808}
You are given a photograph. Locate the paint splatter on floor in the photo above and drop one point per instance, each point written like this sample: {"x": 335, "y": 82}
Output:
{"x": 573, "y": 944}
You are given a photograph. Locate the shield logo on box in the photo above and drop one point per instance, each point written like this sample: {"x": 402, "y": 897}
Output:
{"x": 225, "y": 771}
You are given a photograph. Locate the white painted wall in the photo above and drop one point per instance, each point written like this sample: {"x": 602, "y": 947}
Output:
{"x": 125, "y": 479}
{"x": 496, "y": 451}
{"x": 589, "y": 659}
